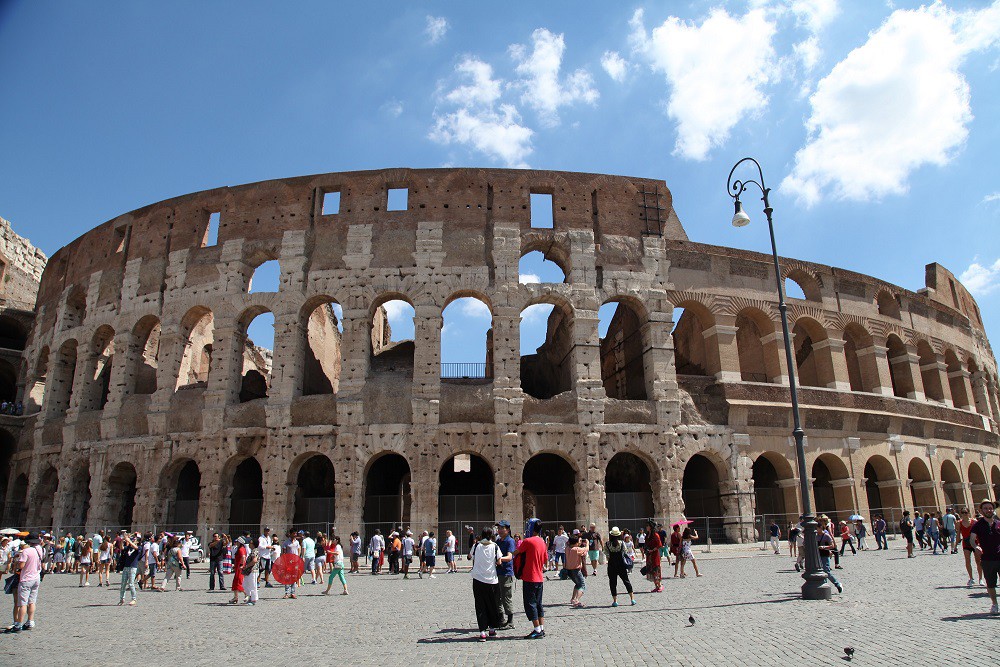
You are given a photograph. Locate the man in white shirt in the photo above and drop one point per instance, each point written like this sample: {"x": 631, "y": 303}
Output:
{"x": 309, "y": 554}
{"x": 376, "y": 546}
{"x": 150, "y": 554}
{"x": 559, "y": 542}
{"x": 407, "y": 554}
{"x": 290, "y": 546}
{"x": 186, "y": 552}
{"x": 264, "y": 552}
{"x": 449, "y": 551}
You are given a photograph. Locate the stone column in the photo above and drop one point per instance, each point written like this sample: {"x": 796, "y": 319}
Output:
{"x": 721, "y": 353}
{"x": 659, "y": 364}
{"x": 963, "y": 398}
{"x": 980, "y": 395}
{"x": 775, "y": 361}
{"x": 587, "y": 368}
{"x": 831, "y": 364}
{"x": 508, "y": 501}
{"x": 227, "y": 371}
{"x": 355, "y": 349}
{"x": 908, "y": 372}
{"x": 426, "y": 392}
{"x": 937, "y": 376}
{"x": 591, "y": 497}
{"x": 874, "y": 362}
{"x": 507, "y": 395}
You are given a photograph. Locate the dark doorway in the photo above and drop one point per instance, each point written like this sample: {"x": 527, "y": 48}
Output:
{"x": 465, "y": 495}
{"x": 628, "y": 492}
{"x": 314, "y": 507}
{"x": 184, "y": 512}
{"x": 247, "y": 498}
{"x": 550, "y": 490}
{"x": 769, "y": 497}
{"x": 702, "y": 499}
{"x": 387, "y": 494}
{"x": 121, "y": 496}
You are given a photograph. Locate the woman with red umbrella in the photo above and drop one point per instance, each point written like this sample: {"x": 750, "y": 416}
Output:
{"x": 239, "y": 560}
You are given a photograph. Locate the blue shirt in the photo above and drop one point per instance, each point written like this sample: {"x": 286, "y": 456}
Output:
{"x": 506, "y": 544}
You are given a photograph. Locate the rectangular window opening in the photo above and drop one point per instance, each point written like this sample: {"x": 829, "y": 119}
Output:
{"x": 541, "y": 211}
{"x": 397, "y": 199}
{"x": 331, "y": 203}
{"x": 212, "y": 231}
{"x": 121, "y": 239}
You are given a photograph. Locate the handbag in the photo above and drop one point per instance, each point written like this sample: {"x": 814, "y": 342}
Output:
{"x": 627, "y": 560}
{"x": 11, "y": 582}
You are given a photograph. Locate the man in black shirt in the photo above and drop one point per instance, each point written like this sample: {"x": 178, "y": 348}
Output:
{"x": 216, "y": 551}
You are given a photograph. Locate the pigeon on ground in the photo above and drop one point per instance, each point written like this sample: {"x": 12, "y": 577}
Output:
{"x": 849, "y": 652}
{"x": 691, "y": 621}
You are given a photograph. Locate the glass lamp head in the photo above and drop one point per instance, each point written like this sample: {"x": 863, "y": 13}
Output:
{"x": 740, "y": 218}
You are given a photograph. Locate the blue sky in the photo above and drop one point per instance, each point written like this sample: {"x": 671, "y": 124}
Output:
{"x": 877, "y": 123}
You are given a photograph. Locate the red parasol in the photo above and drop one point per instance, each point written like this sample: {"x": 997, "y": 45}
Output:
{"x": 287, "y": 569}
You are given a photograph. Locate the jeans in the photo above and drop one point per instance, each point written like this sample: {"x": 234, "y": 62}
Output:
{"x": 375, "y": 559}
{"x": 215, "y": 567}
{"x": 824, "y": 562}
{"x": 187, "y": 566}
{"x": 774, "y": 544}
{"x": 880, "y": 541}
{"x": 290, "y": 589}
{"x": 934, "y": 538}
{"x": 128, "y": 582}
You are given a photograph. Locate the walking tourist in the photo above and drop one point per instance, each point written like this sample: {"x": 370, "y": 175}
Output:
{"x": 827, "y": 546}
{"x": 251, "y": 570}
{"x": 264, "y": 552}
{"x": 986, "y": 543}
{"x": 486, "y": 585}
{"x": 559, "y": 547}
{"x": 449, "y": 551}
{"x": 319, "y": 565}
{"x": 406, "y": 550}
{"x": 129, "y": 565}
{"x": 86, "y": 561}
{"x": 239, "y": 560}
{"x": 918, "y": 527}
{"x": 652, "y": 549}
{"x": 429, "y": 553}
{"x": 355, "y": 551}
{"x": 674, "y": 548}
{"x": 532, "y": 575}
{"x": 104, "y": 564}
{"x": 687, "y": 555}
{"x": 906, "y": 529}
{"x": 774, "y": 532}
{"x": 846, "y": 540}
{"x": 965, "y": 530}
{"x": 576, "y": 554}
{"x": 594, "y": 546}
{"x": 375, "y": 547}
{"x": 619, "y": 561}
{"x": 932, "y": 531}
{"x": 948, "y": 536}
{"x": 505, "y": 574}
{"x": 28, "y": 565}
{"x": 309, "y": 555}
{"x": 860, "y": 531}
{"x": 186, "y": 543}
{"x": 175, "y": 562}
{"x": 335, "y": 556}
{"x": 216, "y": 550}
{"x": 793, "y": 535}
{"x": 879, "y": 528}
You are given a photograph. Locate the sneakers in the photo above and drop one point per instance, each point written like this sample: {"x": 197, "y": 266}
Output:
{"x": 535, "y": 634}
{"x": 994, "y": 610}
{"x": 840, "y": 588}
{"x": 482, "y": 636}
{"x": 493, "y": 633}
{"x": 633, "y": 602}
{"x": 17, "y": 628}
{"x": 614, "y": 604}
{"x": 433, "y": 576}
{"x": 132, "y": 603}
{"x": 29, "y": 625}
{"x": 971, "y": 583}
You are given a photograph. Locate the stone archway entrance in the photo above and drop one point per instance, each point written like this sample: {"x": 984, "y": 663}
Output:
{"x": 465, "y": 495}
{"x": 549, "y": 490}
{"x": 183, "y": 514}
{"x": 702, "y": 495}
{"x": 628, "y": 492}
{"x": 44, "y": 501}
{"x": 882, "y": 488}
{"x": 247, "y": 498}
{"x": 314, "y": 495}
{"x": 921, "y": 486}
{"x": 387, "y": 494}
{"x": 121, "y": 496}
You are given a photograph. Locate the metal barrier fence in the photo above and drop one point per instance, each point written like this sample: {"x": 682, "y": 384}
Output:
{"x": 466, "y": 371}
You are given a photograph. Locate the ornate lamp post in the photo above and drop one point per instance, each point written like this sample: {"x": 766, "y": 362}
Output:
{"x": 815, "y": 586}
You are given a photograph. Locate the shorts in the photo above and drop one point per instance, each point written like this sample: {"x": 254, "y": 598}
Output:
{"x": 909, "y": 537}
{"x": 355, "y": 557}
{"x": 265, "y": 565}
{"x": 27, "y": 592}
{"x": 991, "y": 570}
{"x": 966, "y": 544}
{"x": 576, "y": 576}
{"x": 310, "y": 561}
{"x": 594, "y": 554}
{"x": 449, "y": 556}
{"x": 320, "y": 561}
{"x": 531, "y": 594}
{"x": 560, "y": 558}
{"x": 152, "y": 570}
{"x": 430, "y": 561}
{"x": 407, "y": 559}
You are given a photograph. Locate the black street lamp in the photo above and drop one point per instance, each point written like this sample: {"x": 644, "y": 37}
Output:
{"x": 815, "y": 586}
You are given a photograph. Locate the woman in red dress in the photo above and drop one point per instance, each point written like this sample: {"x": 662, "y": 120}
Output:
{"x": 239, "y": 560}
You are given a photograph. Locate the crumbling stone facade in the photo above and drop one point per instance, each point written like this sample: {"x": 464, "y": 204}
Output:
{"x": 899, "y": 391}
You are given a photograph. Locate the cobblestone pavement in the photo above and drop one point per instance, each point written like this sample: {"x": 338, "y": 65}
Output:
{"x": 746, "y": 612}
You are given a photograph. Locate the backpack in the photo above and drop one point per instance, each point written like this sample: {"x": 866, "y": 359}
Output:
{"x": 519, "y": 561}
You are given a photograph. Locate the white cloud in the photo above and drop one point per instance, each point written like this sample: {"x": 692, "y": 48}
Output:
{"x": 392, "y": 108}
{"x": 808, "y": 52}
{"x": 528, "y": 278}
{"x": 992, "y": 197}
{"x": 981, "y": 280}
{"x": 892, "y": 105}
{"x": 436, "y": 28}
{"x": 536, "y": 313}
{"x": 539, "y": 69}
{"x": 614, "y": 65}
{"x": 475, "y": 308}
{"x": 479, "y": 122}
{"x": 716, "y": 72}
{"x": 398, "y": 312}
{"x": 814, "y": 15}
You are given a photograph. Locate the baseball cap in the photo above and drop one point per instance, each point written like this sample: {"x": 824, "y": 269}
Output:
{"x": 504, "y": 523}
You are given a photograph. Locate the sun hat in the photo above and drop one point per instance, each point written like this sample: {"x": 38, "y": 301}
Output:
{"x": 615, "y": 531}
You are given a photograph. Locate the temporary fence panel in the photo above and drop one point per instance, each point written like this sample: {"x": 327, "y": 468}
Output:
{"x": 457, "y": 511}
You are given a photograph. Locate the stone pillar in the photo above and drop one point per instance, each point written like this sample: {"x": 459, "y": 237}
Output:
{"x": 874, "y": 362}
{"x": 508, "y": 500}
{"x": 908, "y": 365}
{"x": 937, "y": 380}
{"x": 591, "y": 498}
{"x": 721, "y": 353}
{"x": 775, "y": 361}
{"x": 793, "y": 505}
{"x": 224, "y": 380}
{"x": 831, "y": 364}
{"x": 507, "y": 395}
{"x": 587, "y": 368}
{"x": 980, "y": 395}
{"x": 287, "y": 362}
{"x": 426, "y": 392}
{"x": 355, "y": 348}
{"x": 962, "y": 398}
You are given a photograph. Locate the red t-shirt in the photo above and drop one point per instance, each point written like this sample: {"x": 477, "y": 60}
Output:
{"x": 535, "y": 558}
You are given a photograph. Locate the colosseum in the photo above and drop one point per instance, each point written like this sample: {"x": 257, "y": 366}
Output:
{"x": 147, "y": 404}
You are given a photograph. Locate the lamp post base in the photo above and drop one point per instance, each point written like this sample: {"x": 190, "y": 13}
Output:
{"x": 816, "y": 586}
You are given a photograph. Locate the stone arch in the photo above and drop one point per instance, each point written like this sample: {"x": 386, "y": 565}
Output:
{"x": 44, "y": 496}
{"x": 198, "y": 335}
{"x": 862, "y": 368}
{"x": 692, "y": 353}
{"x": 832, "y": 487}
{"x": 623, "y": 351}
{"x": 182, "y": 490}
{"x": 628, "y": 487}
{"x": 881, "y": 485}
{"x": 995, "y": 481}
{"x": 63, "y": 374}
{"x": 814, "y": 364}
{"x": 957, "y": 380}
{"x": 551, "y": 250}
{"x": 321, "y": 357}
{"x": 466, "y": 490}
{"x": 143, "y": 356}
{"x": 313, "y": 500}
{"x": 701, "y": 491}
{"x": 36, "y": 389}
{"x": 954, "y": 488}
{"x": 979, "y": 488}
{"x": 76, "y": 308}
{"x": 8, "y": 381}
{"x": 888, "y": 304}
{"x": 77, "y": 499}
{"x": 921, "y": 486}
{"x": 255, "y": 369}
{"x": 387, "y": 355}
{"x": 807, "y": 283}
{"x": 757, "y": 346}
{"x": 121, "y": 489}
{"x": 13, "y": 333}
{"x": 471, "y": 312}
{"x": 900, "y": 373}
{"x": 774, "y": 492}
{"x": 387, "y": 493}
{"x": 244, "y": 478}
{"x": 551, "y": 369}
{"x": 265, "y": 275}
{"x": 929, "y": 372}
{"x": 549, "y": 489}
{"x": 97, "y": 388}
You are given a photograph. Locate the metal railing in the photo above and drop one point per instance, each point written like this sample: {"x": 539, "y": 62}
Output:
{"x": 466, "y": 371}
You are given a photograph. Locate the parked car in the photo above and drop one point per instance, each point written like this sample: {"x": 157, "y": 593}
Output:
{"x": 196, "y": 553}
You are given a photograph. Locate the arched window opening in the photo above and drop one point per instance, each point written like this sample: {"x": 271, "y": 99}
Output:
{"x": 387, "y": 494}
{"x": 809, "y": 368}
{"x": 78, "y": 507}
{"x": 690, "y": 352}
{"x": 36, "y": 390}
{"x": 63, "y": 375}
{"x": 628, "y": 492}
{"x": 546, "y": 350}
{"x": 246, "y": 500}
{"x": 888, "y": 305}
{"x": 535, "y": 267}
{"x": 853, "y": 341}
{"x": 8, "y": 381}
{"x": 314, "y": 495}
{"x": 13, "y": 334}
{"x": 768, "y": 495}
{"x": 622, "y": 352}
{"x": 880, "y": 486}
{"x": 266, "y": 277}
{"x": 758, "y": 362}
{"x": 324, "y": 330}
{"x": 75, "y": 310}
{"x": 467, "y": 340}
{"x": 930, "y": 372}
{"x": 826, "y": 502}
{"x": 978, "y": 485}
{"x": 121, "y": 496}
{"x": 549, "y": 490}
{"x": 97, "y": 370}
{"x": 257, "y": 358}
{"x": 954, "y": 489}
{"x": 957, "y": 382}
{"x": 899, "y": 367}
{"x": 183, "y": 513}
{"x": 16, "y": 512}
{"x": 465, "y": 495}
{"x": 832, "y": 488}
{"x": 144, "y": 356}
{"x": 392, "y": 337}
{"x": 800, "y": 284}
{"x": 45, "y": 495}
{"x": 921, "y": 486}
{"x": 702, "y": 497}
{"x": 198, "y": 329}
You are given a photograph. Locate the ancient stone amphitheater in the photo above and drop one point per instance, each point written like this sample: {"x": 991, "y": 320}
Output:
{"x": 152, "y": 408}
